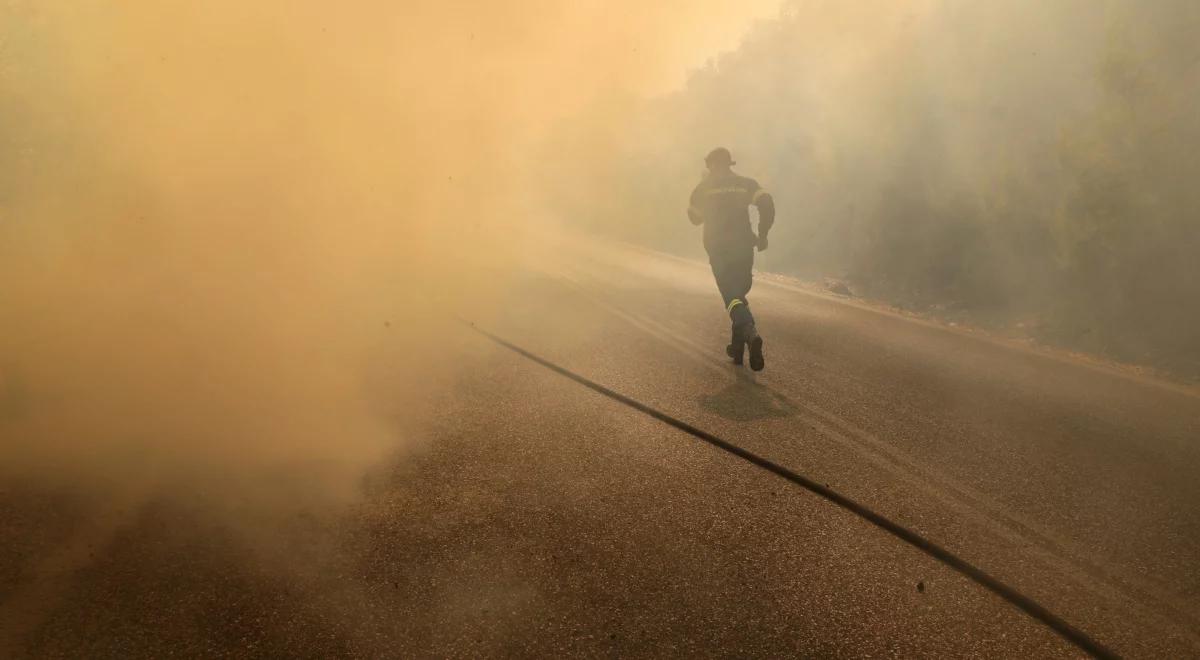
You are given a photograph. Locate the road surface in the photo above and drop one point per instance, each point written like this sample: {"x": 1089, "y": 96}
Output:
{"x": 540, "y": 517}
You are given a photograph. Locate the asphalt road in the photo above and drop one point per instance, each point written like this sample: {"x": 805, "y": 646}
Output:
{"x": 541, "y": 518}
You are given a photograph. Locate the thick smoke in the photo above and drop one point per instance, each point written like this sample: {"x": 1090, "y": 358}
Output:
{"x": 230, "y": 232}
{"x": 1024, "y": 164}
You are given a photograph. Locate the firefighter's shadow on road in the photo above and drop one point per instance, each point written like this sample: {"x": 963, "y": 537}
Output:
{"x": 745, "y": 400}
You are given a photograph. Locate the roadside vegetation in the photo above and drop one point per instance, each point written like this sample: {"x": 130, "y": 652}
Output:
{"x": 1024, "y": 165}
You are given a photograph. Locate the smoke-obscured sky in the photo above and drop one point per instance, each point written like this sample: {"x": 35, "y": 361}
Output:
{"x": 216, "y": 216}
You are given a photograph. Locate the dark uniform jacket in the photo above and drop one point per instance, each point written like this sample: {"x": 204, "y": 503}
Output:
{"x": 721, "y": 203}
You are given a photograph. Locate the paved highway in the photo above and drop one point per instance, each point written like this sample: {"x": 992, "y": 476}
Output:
{"x": 540, "y": 517}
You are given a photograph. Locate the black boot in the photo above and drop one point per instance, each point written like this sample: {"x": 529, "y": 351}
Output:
{"x": 736, "y": 348}
{"x": 749, "y": 335}
{"x": 756, "y": 355}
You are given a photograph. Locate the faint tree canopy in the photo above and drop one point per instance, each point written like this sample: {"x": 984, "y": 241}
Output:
{"x": 1024, "y": 164}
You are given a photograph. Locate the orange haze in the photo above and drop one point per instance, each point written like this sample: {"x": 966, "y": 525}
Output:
{"x": 218, "y": 219}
